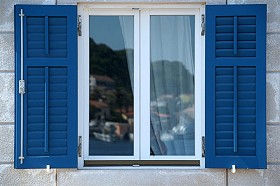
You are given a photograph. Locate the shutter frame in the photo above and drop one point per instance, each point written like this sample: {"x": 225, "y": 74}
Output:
{"x": 50, "y": 66}
{"x": 213, "y": 160}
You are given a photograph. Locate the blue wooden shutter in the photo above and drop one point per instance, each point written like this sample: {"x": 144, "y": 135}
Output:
{"x": 236, "y": 86}
{"x": 50, "y": 73}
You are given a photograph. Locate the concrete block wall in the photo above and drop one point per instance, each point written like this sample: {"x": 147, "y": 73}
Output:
{"x": 10, "y": 176}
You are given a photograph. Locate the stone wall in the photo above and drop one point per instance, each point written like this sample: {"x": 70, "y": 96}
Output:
{"x": 161, "y": 176}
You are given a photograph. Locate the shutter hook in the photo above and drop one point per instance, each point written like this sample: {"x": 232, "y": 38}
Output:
{"x": 233, "y": 169}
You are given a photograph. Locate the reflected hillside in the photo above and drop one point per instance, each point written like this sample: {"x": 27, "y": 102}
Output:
{"x": 107, "y": 62}
{"x": 167, "y": 78}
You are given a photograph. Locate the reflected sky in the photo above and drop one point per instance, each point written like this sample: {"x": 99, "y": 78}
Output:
{"x": 104, "y": 34}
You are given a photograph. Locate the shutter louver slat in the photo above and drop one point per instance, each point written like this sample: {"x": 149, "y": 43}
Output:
{"x": 38, "y": 29}
{"x": 55, "y": 114}
{"x": 226, "y": 33}
{"x": 225, "y": 114}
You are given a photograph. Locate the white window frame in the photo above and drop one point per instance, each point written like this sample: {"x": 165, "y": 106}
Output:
{"x": 108, "y": 12}
{"x": 141, "y": 96}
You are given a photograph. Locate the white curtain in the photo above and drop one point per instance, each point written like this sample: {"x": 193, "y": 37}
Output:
{"x": 127, "y": 28}
{"x": 172, "y": 81}
{"x": 172, "y": 85}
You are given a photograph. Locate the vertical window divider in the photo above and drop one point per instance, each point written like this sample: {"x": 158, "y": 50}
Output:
{"x": 145, "y": 85}
{"x": 137, "y": 84}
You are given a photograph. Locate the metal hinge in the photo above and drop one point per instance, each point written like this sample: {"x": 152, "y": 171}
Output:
{"x": 79, "y": 26}
{"x": 202, "y": 24}
{"x": 80, "y": 146}
{"x": 21, "y": 87}
{"x": 203, "y": 146}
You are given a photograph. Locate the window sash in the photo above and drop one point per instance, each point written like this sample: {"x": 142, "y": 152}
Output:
{"x": 85, "y": 87}
{"x": 145, "y": 84}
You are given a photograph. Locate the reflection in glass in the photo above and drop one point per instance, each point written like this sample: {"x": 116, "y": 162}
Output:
{"x": 172, "y": 85}
{"x": 111, "y": 85}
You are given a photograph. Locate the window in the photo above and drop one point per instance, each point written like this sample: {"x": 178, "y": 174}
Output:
{"x": 142, "y": 75}
{"x": 150, "y": 98}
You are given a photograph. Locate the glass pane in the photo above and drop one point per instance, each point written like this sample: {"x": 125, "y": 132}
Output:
{"x": 111, "y": 85}
{"x": 172, "y": 85}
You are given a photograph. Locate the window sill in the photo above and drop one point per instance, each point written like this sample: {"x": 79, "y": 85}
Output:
{"x": 142, "y": 163}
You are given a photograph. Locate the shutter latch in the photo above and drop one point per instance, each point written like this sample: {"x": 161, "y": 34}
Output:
{"x": 203, "y": 146}
{"x": 79, "y": 25}
{"x": 202, "y": 24}
{"x": 80, "y": 146}
{"x": 21, "y": 88}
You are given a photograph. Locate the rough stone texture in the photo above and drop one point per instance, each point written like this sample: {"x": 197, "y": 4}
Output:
{"x": 7, "y": 7}
{"x": 215, "y": 2}
{"x": 6, "y": 97}
{"x": 141, "y": 177}
{"x": 273, "y": 143}
{"x": 35, "y": 177}
{"x": 148, "y": 1}
{"x": 273, "y": 10}
{"x": 254, "y": 177}
{"x": 273, "y": 97}
{"x": 7, "y": 143}
{"x": 10, "y": 176}
{"x": 7, "y": 11}
{"x": 273, "y": 48}
{"x": 7, "y": 52}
